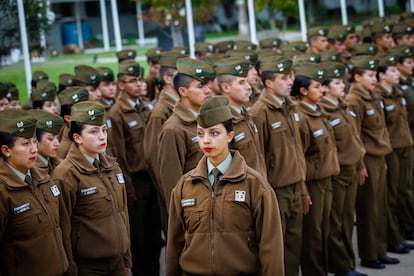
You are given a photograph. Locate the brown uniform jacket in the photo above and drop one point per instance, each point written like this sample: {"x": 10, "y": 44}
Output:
{"x": 406, "y": 85}
{"x": 94, "y": 212}
{"x": 30, "y": 235}
{"x": 246, "y": 140}
{"x": 178, "y": 150}
{"x": 318, "y": 142}
{"x": 161, "y": 112}
{"x": 366, "y": 109}
{"x": 126, "y": 128}
{"x": 348, "y": 144}
{"x": 44, "y": 168}
{"x": 65, "y": 143}
{"x": 233, "y": 229}
{"x": 394, "y": 105}
{"x": 280, "y": 140}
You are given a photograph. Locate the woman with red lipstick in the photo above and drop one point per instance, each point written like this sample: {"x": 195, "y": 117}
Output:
{"x": 94, "y": 206}
{"x": 321, "y": 164}
{"x": 47, "y": 129}
{"x": 224, "y": 217}
{"x": 366, "y": 109}
{"x": 399, "y": 162}
{"x": 30, "y": 233}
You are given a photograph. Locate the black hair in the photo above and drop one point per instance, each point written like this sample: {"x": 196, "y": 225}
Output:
{"x": 164, "y": 70}
{"x": 75, "y": 127}
{"x": 65, "y": 110}
{"x": 39, "y": 134}
{"x": 381, "y": 69}
{"x": 7, "y": 140}
{"x": 327, "y": 81}
{"x": 356, "y": 71}
{"x": 38, "y": 104}
{"x": 300, "y": 81}
{"x": 268, "y": 75}
{"x": 228, "y": 125}
{"x": 182, "y": 80}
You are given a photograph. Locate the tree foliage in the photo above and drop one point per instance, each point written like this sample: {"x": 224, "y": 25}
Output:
{"x": 37, "y": 20}
{"x": 288, "y": 7}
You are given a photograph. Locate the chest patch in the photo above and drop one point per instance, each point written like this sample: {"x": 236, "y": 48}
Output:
{"x": 370, "y": 112}
{"x": 403, "y": 101}
{"x": 22, "y": 208}
{"x": 133, "y": 123}
{"x": 390, "y": 107}
{"x": 120, "y": 178}
{"x": 317, "y": 133}
{"x": 239, "y": 137}
{"x": 55, "y": 190}
{"x": 296, "y": 117}
{"x": 89, "y": 191}
{"x": 276, "y": 125}
{"x": 335, "y": 122}
{"x": 194, "y": 139}
{"x": 382, "y": 104}
{"x": 240, "y": 196}
{"x": 353, "y": 114}
{"x": 255, "y": 128}
{"x": 404, "y": 87}
{"x": 186, "y": 202}
{"x": 109, "y": 123}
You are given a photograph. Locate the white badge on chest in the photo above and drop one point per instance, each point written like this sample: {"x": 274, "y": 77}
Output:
{"x": 240, "y": 196}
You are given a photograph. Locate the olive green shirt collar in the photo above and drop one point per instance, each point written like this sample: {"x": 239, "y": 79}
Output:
{"x": 222, "y": 167}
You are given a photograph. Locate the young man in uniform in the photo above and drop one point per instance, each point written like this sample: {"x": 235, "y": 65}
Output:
{"x": 126, "y": 127}
{"x": 318, "y": 41}
{"x": 88, "y": 77}
{"x": 277, "y": 120}
{"x": 231, "y": 79}
{"x": 107, "y": 86}
{"x": 178, "y": 151}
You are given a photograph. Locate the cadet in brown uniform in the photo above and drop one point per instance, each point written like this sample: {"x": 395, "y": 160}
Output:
{"x": 224, "y": 217}
{"x": 231, "y": 79}
{"x": 94, "y": 212}
{"x": 107, "y": 86}
{"x": 178, "y": 151}
{"x": 67, "y": 98}
{"x": 399, "y": 161}
{"x": 44, "y": 96}
{"x": 321, "y": 164}
{"x": 370, "y": 122}
{"x": 318, "y": 40}
{"x": 48, "y": 127}
{"x": 278, "y": 124}
{"x": 126, "y": 129}
{"x": 352, "y": 172}
{"x": 30, "y": 235}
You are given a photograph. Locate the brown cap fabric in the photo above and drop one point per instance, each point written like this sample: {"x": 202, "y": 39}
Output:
{"x": 211, "y": 59}
{"x": 337, "y": 33}
{"x": 387, "y": 60}
{"x": 224, "y": 46}
{"x": 153, "y": 55}
{"x": 382, "y": 27}
{"x": 130, "y": 68}
{"x": 313, "y": 58}
{"x": 17, "y": 122}
{"x": 365, "y": 62}
{"x": 45, "y": 91}
{"x": 403, "y": 28}
{"x": 13, "y": 92}
{"x": 249, "y": 56}
{"x": 277, "y": 64}
{"x": 169, "y": 59}
{"x": 66, "y": 79}
{"x": 214, "y": 111}
{"x": 204, "y": 47}
{"x": 270, "y": 42}
{"x": 266, "y": 52}
{"x": 126, "y": 54}
{"x": 180, "y": 50}
{"x": 365, "y": 49}
{"x": 402, "y": 51}
{"x": 331, "y": 56}
{"x": 311, "y": 70}
{"x": 299, "y": 46}
{"x": 87, "y": 75}
{"x": 196, "y": 69}
{"x": 334, "y": 70}
{"x": 106, "y": 74}
{"x": 47, "y": 121}
{"x": 88, "y": 112}
{"x": 235, "y": 66}
{"x": 39, "y": 75}
{"x": 318, "y": 31}
{"x": 73, "y": 94}
{"x": 244, "y": 45}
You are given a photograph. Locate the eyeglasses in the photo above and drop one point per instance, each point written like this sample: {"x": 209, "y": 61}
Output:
{"x": 133, "y": 80}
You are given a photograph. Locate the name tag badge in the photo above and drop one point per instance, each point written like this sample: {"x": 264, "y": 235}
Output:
{"x": 276, "y": 125}
{"x": 150, "y": 106}
{"x": 109, "y": 123}
{"x": 382, "y": 104}
{"x": 133, "y": 123}
{"x": 390, "y": 107}
{"x": 318, "y": 133}
{"x": 255, "y": 128}
{"x": 370, "y": 112}
{"x": 194, "y": 139}
{"x": 296, "y": 116}
{"x": 55, "y": 190}
{"x": 120, "y": 178}
{"x": 240, "y": 196}
{"x": 335, "y": 122}
{"x": 353, "y": 114}
{"x": 22, "y": 208}
{"x": 404, "y": 87}
{"x": 188, "y": 202}
{"x": 403, "y": 101}
{"x": 89, "y": 191}
{"x": 239, "y": 137}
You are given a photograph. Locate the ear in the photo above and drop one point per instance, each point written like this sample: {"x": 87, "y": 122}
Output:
{"x": 5, "y": 150}
{"x": 303, "y": 91}
{"x": 67, "y": 119}
{"x": 268, "y": 83}
{"x": 230, "y": 136}
{"x": 357, "y": 77}
{"x": 77, "y": 138}
{"x": 381, "y": 75}
{"x": 182, "y": 91}
{"x": 225, "y": 88}
{"x": 120, "y": 85}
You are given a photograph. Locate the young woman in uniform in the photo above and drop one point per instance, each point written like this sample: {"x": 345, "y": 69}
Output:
{"x": 30, "y": 233}
{"x": 341, "y": 258}
{"x": 223, "y": 217}
{"x": 47, "y": 129}
{"x": 44, "y": 97}
{"x": 321, "y": 164}
{"x": 94, "y": 207}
